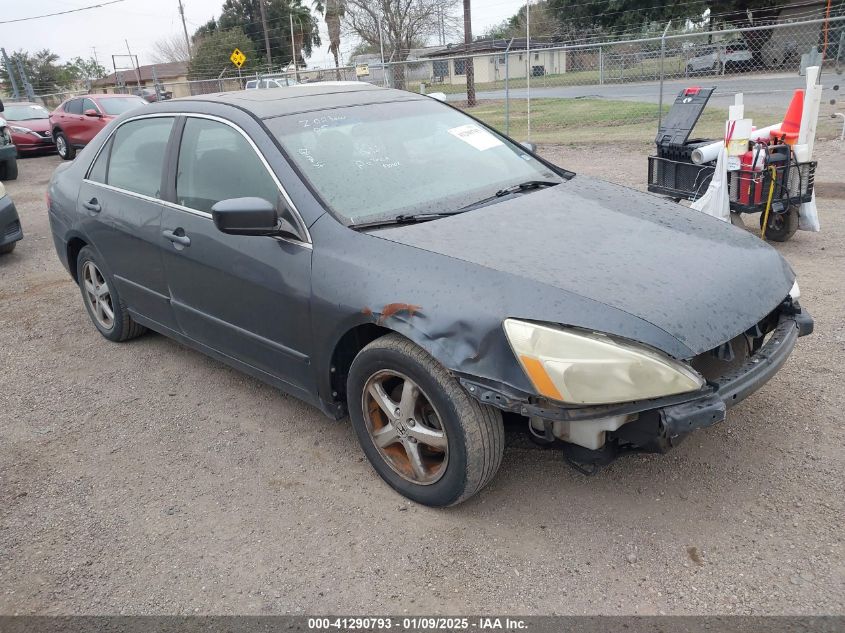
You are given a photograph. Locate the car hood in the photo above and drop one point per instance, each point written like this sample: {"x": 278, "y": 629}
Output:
{"x": 697, "y": 278}
{"x": 37, "y": 125}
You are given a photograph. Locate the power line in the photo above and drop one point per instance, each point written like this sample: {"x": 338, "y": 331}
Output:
{"x": 49, "y": 15}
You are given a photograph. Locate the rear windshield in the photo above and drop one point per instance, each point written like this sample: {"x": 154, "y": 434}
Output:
{"x": 119, "y": 105}
{"x": 17, "y": 112}
{"x": 376, "y": 161}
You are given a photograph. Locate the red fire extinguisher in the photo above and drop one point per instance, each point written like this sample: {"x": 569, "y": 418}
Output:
{"x": 751, "y": 175}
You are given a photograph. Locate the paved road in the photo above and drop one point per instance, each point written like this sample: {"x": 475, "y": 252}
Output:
{"x": 760, "y": 91}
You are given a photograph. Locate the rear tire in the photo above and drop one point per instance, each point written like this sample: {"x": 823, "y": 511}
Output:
{"x": 65, "y": 150}
{"x": 102, "y": 301}
{"x": 468, "y": 437}
{"x": 7, "y": 248}
{"x": 781, "y": 226}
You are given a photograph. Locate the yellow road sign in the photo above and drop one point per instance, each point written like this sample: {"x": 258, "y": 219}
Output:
{"x": 237, "y": 57}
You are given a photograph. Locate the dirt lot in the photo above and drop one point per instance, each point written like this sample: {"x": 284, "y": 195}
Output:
{"x": 147, "y": 478}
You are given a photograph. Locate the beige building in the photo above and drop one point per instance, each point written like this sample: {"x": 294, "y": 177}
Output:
{"x": 172, "y": 76}
{"x": 490, "y": 62}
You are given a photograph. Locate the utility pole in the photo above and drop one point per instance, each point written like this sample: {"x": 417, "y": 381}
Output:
{"x": 293, "y": 49}
{"x": 135, "y": 65}
{"x": 15, "y": 94}
{"x": 469, "y": 68}
{"x": 96, "y": 59}
{"x": 381, "y": 47}
{"x": 528, "y": 62}
{"x": 266, "y": 34}
{"x": 185, "y": 30}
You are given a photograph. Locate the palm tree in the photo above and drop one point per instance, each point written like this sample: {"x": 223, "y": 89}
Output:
{"x": 332, "y": 11}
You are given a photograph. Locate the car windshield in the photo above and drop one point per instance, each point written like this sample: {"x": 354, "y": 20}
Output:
{"x": 119, "y": 105}
{"x": 18, "y": 112}
{"x": 379, "y": 161}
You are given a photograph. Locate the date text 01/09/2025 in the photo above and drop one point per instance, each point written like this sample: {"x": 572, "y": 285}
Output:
{"x": 416, "y": 623}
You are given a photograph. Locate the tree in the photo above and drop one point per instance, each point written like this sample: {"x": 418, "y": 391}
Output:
{"x": 42, "y": 71}
{"x": 405, "y": 24}
{"x": 575, "y": 20}
{"x": 172, "y": 48}
{"x": 84, "y": 69}
{"x": 333, "y": 12}
{"x": 208, "y": 28}
{"x": 246, "y": 15}
{"x": 211, "y": 53}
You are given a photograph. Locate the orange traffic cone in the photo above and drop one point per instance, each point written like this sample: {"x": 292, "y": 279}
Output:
{"x": 792, "y": 121}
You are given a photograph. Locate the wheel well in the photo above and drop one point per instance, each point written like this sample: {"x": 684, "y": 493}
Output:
{"x": 73, "y": 247}
{"x": 347, "y": 349}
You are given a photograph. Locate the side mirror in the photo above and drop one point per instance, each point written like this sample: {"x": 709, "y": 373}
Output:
{"x": 92, "y": 112}
{"x": 250, "y": 216}
{"x": 529, "y": 146}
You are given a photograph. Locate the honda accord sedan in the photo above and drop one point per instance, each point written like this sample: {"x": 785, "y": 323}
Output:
{"x": 384, "y": 256}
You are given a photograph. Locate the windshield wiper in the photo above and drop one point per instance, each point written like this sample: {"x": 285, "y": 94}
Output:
{"x": 404, "y": 218}
{"x": 523, "y": 186}
{"x": 413, "y": 218}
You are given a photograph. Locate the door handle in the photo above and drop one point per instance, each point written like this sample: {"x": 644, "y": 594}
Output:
{"x": 177, "y": 238}
{"x": 92, "y": 205}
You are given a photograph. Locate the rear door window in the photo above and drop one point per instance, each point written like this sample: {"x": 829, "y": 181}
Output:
{"x": 98, "y": 169}
{"x": 137, "y": 155}
{"x": 74, "y": 106}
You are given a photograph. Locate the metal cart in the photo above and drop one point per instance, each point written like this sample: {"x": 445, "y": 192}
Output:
{"x": 774, "y": 184}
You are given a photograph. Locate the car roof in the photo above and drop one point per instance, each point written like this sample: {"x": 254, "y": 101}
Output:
{"x": 266, "y": 104}
{"x": 109, "y": 95}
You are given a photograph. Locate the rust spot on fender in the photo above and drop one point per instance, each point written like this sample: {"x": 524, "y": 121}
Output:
{"x": 392, "y": 309}
{"x": 367, "y": 312}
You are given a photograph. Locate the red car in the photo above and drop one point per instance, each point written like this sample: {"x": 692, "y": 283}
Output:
{"x": 29, "y": 124}
{"x": 78, "y": 120}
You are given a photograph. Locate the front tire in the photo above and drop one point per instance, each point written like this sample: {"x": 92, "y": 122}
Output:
{"x": 7, "y": 248}
{"x": 65, "y": 150}
{"x": 781, "y": 226}
{"x": 102, "y": 301}
{"x": 422, "y": 432}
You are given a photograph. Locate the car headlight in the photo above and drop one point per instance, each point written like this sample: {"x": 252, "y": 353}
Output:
{"x": 580, "y": 367}
{"x": 795, "y": 291}
{"x": 20, "y": 130}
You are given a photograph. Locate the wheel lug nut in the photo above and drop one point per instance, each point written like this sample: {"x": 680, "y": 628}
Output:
{"x": 411, "y": 422}
{"x": 396, "y": 412}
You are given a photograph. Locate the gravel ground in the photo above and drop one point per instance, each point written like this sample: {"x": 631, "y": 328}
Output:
{"x": 147, "y": 478}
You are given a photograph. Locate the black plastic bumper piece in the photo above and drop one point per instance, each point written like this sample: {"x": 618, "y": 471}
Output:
{"x": 687, "y": 417}
{"x": 805, "y": 323}
{"x": 10, "y": 225}
{"x": 733, "y": 387}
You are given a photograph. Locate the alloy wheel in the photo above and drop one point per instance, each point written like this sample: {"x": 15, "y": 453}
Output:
{"x": 98, "y": 296}
{"x": 405, "y": 427}
{"x": 61, "y": 145}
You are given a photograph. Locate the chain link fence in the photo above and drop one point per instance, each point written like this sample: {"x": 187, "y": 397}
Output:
{"x": 599, "y": 92}
{"x": 615, "y": 91}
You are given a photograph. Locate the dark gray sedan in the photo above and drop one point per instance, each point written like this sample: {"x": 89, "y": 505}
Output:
{"x": 380, "y": 254}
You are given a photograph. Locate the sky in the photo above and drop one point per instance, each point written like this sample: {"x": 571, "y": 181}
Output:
{"x": 143, "y": 22}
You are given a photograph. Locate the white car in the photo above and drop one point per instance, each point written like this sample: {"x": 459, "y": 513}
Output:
{"x": 717, "y": 58}
{"x": 264, "y": 84}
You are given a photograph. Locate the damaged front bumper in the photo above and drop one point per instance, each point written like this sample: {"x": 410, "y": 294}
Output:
{"x": 657, "y": 425}
{"x": 733, "y": 387}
